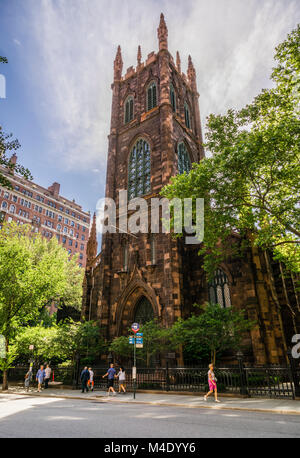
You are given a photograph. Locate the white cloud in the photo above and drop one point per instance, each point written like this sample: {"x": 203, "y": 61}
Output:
{"x": 231, "y": 41}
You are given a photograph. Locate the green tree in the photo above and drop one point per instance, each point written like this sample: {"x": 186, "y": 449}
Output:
{"x": 156, "y": 340}
{"x": 81, "y": 338}
{"x": 45, "y": 342}
{"x": 33, "y": 272}
{"x": 216, "y": 329}
{"x": 251, "y": 183}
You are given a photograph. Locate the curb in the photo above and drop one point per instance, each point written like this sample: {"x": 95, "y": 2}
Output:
{"x": 104, "y": 399}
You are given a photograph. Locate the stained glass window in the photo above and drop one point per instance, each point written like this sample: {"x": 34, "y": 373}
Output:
{"x": 187, "y": 116}
{"x": 184, "y": 163}
{"x": 173, "y": 97}
{"x": 143, "y": 311}
{"x": 219, "y": 289}
{"x": 139, "y": 170}
{"x": 128, "y": 110}
{"x": 151, "y": 96}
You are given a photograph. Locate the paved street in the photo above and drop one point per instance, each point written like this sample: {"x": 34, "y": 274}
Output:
{"x": 22, "y": 416}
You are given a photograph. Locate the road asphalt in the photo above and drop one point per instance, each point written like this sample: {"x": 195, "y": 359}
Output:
{"x": 280, "y": 406}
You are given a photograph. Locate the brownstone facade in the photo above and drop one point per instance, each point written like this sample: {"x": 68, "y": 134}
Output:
{"x": 153, "y": 270}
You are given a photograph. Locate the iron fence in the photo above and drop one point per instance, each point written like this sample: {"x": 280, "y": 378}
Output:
{"x": 264, "y": 381}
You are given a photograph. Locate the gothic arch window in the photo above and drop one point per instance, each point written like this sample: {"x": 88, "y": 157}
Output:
{"x": 139, "y": 169}
{"x": 219, "y": 292}
{"x": 153, "y": 249}
{"x": 151, "y": 96}
{"x": 173, "y": 97}
{"x": 187, "y": 116}
{"x": 128, "y": 114}
{"x": 125, "y": 256}
{"x": 183, "y": 158}
{"x": 143, "y": 311}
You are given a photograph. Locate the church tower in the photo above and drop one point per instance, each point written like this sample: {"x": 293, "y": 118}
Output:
{"x": 155, "y": 133}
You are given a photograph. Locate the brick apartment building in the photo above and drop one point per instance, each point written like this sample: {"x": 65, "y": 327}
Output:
{"x": 49, "y": 213}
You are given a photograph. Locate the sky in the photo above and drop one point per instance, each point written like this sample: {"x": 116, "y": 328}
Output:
{"x": 60, "y": 69}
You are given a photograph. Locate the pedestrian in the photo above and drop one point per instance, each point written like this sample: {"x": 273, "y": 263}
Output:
{"x": 84, "y": 377}
{"x": 47, "y": 375}
{"x": 28, "y": 378}
{"x": 212, "y": 382}
{"x": 91, "y": 379}
{"x": 110, "y": 374}
{"x": 122, "y": 377}
{"x": 40, "y": 375}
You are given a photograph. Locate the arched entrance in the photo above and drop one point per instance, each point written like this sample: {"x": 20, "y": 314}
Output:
{"x": 143, "y": 311}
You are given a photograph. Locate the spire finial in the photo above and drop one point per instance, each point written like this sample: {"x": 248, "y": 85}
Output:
{"x": 178, "y": 62}
{"x": 118, "y": 64}
{"x": 92, "y": 245}
{"x": 162, "y": 33}
{"x": 139, "y": 55}
{"x": 191, "y": 73}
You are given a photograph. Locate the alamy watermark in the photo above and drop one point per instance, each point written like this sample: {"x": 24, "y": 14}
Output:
{"x": 296, "y": 348}
{"x": 154, "y": 215}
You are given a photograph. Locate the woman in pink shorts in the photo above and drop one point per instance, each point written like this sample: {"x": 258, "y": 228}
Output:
{"x": 212, "y": 382}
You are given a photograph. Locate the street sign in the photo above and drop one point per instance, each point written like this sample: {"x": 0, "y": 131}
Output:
{"x": 139, "y": 334}
{"x": 139, "y": 345}
{"x": 131, "y": 340}
{"x": 135, "y": 327}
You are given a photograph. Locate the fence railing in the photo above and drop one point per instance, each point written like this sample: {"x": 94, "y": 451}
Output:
{"x": 274, "y": 381}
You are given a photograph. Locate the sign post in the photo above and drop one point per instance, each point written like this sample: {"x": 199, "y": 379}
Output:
{"x": 135, "y": 328}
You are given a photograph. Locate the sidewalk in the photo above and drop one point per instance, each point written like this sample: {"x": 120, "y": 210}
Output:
{"x": 283, "y": 406}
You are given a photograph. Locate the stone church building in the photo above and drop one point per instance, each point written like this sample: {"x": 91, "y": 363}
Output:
{"x": 156, "y": 133}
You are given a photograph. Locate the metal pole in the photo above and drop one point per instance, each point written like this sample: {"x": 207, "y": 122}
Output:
{"x": 134, "y": 363}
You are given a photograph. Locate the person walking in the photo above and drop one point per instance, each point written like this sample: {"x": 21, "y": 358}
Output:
{"x": 122, "y": 377}
{"x": 47, "y": 375}
{"x": 28, "y": 378}
{"x": 110, "y": 374}
{"x": 84, "y": 377}
{"x": 212, "y": 382}
{"x": 40, "y": 375}
{"x": 91, "y": 379}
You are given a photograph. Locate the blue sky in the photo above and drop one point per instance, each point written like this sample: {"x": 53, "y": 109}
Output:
{"x": 60, "y": 66}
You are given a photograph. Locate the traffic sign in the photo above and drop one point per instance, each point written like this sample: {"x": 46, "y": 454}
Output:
{"x": 135, "y": 327}
{"x": 139, "y": 334}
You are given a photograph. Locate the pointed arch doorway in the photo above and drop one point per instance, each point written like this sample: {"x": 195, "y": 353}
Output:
{"x": 143, "y": 311}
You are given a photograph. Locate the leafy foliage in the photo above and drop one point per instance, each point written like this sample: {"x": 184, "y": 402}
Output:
{"x": 216, "y": 329}
{"x": 156, "y": 339}
{"x": 251, "y": 183}
{"x": 33, "y": 272}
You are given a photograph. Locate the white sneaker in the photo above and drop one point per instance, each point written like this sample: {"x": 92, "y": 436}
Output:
{"x": 217, "y": 400}
{"x": 205, "y": 398}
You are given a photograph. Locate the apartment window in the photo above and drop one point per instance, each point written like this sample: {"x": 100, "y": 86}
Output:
{"x": 82, "y": 247}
